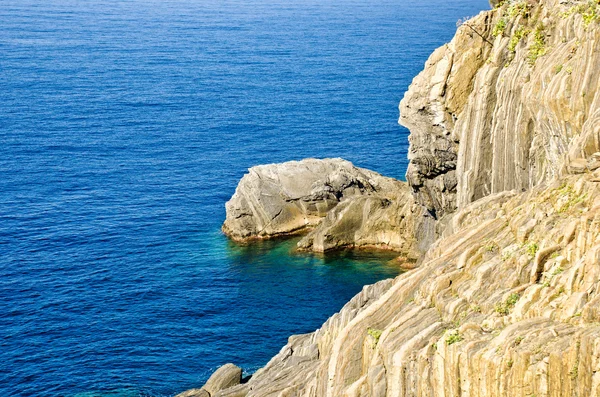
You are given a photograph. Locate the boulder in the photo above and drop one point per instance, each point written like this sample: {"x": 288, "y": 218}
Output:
{"x": 281, "y": 199}
{"x": 227, "y": 376}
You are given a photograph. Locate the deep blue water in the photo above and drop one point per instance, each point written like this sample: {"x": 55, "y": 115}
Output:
{"x": 125, "y": 126}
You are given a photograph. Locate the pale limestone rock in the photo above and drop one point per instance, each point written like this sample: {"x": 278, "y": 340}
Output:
{"x": 279, "y": 199}
{"x": 577, "y": 166}
{"x": 220, "y": 383}
{"x": 387, "y": 220}
{"x": 363, "y": 208}
{"x": 488, "y": 118}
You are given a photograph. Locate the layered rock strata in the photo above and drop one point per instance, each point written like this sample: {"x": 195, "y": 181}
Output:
{"x": 504, "y": 148}
{"x": 353, "y": 207}
{"x": 279, "y": 199}
{"x": 507, "y": 104}
{"x": 388, "y": 220}
{"x": 505, "y": 305}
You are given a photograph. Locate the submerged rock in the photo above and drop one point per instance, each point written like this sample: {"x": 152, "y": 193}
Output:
{"x": 281, "y": 199}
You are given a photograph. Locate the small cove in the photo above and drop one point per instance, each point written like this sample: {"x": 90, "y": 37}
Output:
{"x": 126, "y": 127}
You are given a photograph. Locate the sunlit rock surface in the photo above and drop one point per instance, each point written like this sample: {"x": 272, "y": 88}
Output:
{"x": 505, "y": 153}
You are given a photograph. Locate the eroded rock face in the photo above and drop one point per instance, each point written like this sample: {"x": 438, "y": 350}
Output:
{"x": 505, "y": 305}
{"x": 389, "y": 219}
{"x": 506, "y": 105}
{"x": 279, "y": 199}
{"x": 228, "y": 377}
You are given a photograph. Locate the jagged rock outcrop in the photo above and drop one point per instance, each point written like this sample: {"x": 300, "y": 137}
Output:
{"x": 388, "y": 220}
{"x": 280, "y": 199}
{"x": 351, "y": 207}
{"x": 507, "y": 104}
{"x": 505, "y": 305}
{"x": 505, "y": 149}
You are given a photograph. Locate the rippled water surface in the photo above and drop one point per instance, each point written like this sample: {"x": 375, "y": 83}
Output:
{"x": 125, "y": 126}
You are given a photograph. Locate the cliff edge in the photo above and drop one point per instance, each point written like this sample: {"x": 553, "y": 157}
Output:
{"x": 505, "y": 154}
{"x": 508, "y": 104}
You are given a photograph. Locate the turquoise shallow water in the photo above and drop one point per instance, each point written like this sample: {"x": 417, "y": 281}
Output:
{"x": 125, "y": 126}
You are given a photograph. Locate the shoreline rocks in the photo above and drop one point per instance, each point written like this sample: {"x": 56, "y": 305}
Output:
{"x": 295, "y": 197}
{"x": 471, "y": 308}
{"x": 222, "y": 382}
{"x": 281, "y": 199}
{"x": 505, "y": 167}
{"x": 385, "y": 221}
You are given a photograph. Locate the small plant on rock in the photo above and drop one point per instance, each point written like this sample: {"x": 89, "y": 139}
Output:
{"x": 574, "y": 372}
{"x": 538, "y": 48}
{"x": 491, "y": 246}
{"x": 516, "y": 38}
{"x": 499, "y": 27}
{"x": 503, "y": 308}
{"x": 532, "y": 248}
{"x": 557, "y": 69}
{"x": 453, "y": 336}
{"x": 375, "y": 333}
{"x": 512, "y": 299}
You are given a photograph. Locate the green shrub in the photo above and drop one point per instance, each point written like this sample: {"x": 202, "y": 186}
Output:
{"x": 503, "y": 308}
{"x": 512, "y": 299}
{"x": 590, "y": 16}
{"x": 375, "y": 333}
{"x": 558, "y": 270}
{"x": 538, "y": 48}
{"x": 516, "y": 38}
{"x": 519, "y": 8}
{"x": 452, "y": 337}
{"x": 499, "y": 28}
{"x": 532, "y": 248}
{"x": 589, "y": 11}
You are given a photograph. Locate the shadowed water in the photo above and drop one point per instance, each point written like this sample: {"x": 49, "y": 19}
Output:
{"x": 124, "y": 128}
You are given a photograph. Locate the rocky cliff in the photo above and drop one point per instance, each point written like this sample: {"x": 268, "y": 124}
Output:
{"x": 508, "y": 104}
{"x": 506, "y": 305}
{"x": 505, "y": 135}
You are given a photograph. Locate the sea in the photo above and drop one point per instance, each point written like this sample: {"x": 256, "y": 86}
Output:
{"x": 125, "y": 126}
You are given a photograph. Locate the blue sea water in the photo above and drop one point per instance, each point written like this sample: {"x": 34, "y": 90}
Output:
{"x": 124, "y": 128}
